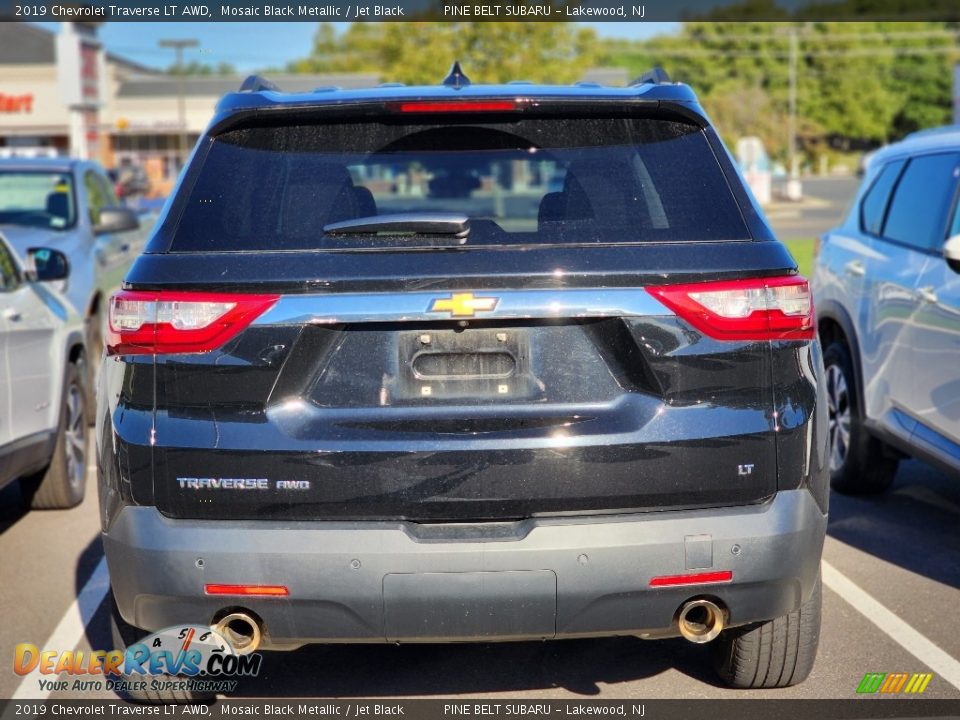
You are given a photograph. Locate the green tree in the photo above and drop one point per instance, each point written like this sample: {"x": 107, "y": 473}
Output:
{"x": 858, "y": 84}
{"x": 420, "y": 53}
{"x": 195, "y": 67}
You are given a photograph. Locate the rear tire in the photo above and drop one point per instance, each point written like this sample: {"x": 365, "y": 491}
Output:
{"x": 124, "y": 634}
{"x": 860, "y": 464}
{"x": 773, "y": 654}
{"x": 63, "y": 483}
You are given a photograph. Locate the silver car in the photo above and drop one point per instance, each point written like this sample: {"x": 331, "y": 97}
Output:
{"x": 42, "y": 380}
{"x": 887, "y": 291}
{"x": 70, "y": 205}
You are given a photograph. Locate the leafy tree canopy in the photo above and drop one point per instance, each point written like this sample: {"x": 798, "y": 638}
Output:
{"x": 858, "y": 84}
{"x": 195, "y": 67}
{"x": 418, "y": 53}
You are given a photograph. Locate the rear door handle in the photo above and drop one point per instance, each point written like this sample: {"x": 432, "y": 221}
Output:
{"x": 855, "y": 267}
{"x": 927, "y": 294}
{"x": 12, "y": 315}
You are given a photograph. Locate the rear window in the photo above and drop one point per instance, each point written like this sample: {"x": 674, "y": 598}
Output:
{"x": 37, "y": 199}
{"x": 533, "y": 180}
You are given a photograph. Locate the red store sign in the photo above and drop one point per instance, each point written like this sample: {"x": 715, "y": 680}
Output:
{"x": 16, "y": 103}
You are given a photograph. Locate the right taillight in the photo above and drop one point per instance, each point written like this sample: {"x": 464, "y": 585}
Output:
{"x": 778, "y": 308}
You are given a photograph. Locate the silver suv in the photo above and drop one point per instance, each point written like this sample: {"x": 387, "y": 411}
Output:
{"x": 887, "y": 289}
{"x": 70, "y": 205}
{"x": 42, "y": 428}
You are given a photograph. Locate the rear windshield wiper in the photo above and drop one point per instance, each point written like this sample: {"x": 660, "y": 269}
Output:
{"x": 438, "y": 223}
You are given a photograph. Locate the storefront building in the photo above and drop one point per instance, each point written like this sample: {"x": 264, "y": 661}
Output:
{"x": 63, "y": 94}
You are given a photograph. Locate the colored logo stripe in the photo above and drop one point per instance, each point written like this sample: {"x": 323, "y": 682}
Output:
{"x": 871, "y": 683}
{"x": 893, "y": 683}
{"x": 918, "y": 683}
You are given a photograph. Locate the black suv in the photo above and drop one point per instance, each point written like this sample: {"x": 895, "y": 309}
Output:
{"x": 373, "y": 382}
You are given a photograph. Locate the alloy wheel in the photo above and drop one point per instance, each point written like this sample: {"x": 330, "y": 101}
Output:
{"x": 75, "y": 435}
{"x": 838, "y": 403}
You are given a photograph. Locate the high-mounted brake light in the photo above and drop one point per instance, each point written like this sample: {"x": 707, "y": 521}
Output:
{"x": 444, "y": 106}
{"x": 155, "y": 323}
{"x": 779, "y": 308}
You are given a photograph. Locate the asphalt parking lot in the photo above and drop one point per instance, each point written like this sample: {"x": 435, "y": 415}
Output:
{"x": 892, "y": 585}
{"x": 825, "y": 202}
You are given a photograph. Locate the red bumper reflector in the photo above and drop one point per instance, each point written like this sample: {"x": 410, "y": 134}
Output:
{"x": 271, "y": 590}
{"x": 721, "y": 576}
{"x": 457, "y": 106}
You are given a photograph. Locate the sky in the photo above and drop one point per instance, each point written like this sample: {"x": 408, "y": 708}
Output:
{"x": 255, "y": 46}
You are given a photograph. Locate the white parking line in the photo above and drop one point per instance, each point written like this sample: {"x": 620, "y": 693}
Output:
{"x": 69, "y": 631}
{"x": 934, "y": 657}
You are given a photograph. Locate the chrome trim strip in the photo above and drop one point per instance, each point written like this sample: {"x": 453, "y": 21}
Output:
{"x": 414, "y": 306}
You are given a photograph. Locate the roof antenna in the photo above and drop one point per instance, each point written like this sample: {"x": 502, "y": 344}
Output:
{"x": 455, "y": 78}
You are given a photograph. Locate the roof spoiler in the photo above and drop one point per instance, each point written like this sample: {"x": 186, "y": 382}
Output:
{"x": 256, "y": 83}
{"x": 654, "y": 76}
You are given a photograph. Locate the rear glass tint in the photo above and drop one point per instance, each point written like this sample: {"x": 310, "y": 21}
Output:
{"x": 533, "y": 180}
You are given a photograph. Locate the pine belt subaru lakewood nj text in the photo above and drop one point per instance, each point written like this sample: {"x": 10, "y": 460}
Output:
{"x": 467, "y": 363}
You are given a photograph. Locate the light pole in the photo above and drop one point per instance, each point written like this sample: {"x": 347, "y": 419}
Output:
{"x": 179, "y": 46}
{"x": 794, "y": 190}
{"x": 792, "y": 109}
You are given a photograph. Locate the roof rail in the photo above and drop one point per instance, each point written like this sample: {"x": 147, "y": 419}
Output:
{"x": 256, "y": 83}
{"x": 654, "y": 76}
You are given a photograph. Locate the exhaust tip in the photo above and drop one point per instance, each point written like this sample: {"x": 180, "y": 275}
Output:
{"x": 700, "y": 621}
{"x": 241, "y": 630}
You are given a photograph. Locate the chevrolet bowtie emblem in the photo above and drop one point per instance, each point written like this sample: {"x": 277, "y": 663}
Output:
{"x": 463, "y": 304}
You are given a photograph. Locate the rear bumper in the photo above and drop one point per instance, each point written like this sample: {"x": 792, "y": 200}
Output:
{"x": 396, "y": 581}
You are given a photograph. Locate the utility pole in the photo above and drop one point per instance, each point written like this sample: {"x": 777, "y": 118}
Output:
{"x": 792, "y": 101}
{"x": 179, "y": 46}
{"x": 794, "y": 190}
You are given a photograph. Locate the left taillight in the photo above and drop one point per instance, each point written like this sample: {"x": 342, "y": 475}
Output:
{"x": 777, "y": 308}
{"x": 168, "y": 322}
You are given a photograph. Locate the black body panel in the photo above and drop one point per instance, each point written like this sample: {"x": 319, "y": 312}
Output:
{"x": 636, "y": 265}
{"x": 595, "y": 415}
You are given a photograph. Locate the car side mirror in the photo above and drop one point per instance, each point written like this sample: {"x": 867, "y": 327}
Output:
{"x": 951, "y": 252}
{"x": 116, "y": 219}
{"x": 46, "y": 265}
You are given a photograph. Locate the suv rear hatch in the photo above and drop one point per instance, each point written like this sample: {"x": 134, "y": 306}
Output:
{"x": 409, "y": 371}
